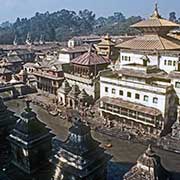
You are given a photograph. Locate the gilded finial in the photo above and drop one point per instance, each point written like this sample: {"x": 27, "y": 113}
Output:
{"x": 156, "y": 11}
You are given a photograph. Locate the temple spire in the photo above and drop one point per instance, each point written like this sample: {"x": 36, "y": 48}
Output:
{"x": 156, "y": 12}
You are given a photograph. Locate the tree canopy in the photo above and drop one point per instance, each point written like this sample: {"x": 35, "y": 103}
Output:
{"x": 64, "y": 24}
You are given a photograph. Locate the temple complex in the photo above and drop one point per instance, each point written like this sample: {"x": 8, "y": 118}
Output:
{"x": 138, "y": 93}
{"x": 161, "y": 49}
{"x": 83, "y": 75}
{"x": 148, "y": 167}
{"x": 80, "y": 157}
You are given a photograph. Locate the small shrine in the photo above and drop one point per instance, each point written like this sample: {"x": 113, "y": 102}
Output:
{"x": 30, "y": 143}
{"x": 72, "y": 97}
{"x": 80, "y": 156}
{"x": 106, "y": 48}
{"x": 148, "y": 167}
{"x": 63, "y": 91}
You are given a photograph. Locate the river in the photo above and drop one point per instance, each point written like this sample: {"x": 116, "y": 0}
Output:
{"x": 124, "y": 153}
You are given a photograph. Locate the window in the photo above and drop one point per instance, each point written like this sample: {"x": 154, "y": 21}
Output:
{"x": 165, "y": 62}
{"x": 170, "y": 63}
{"x": 177, "y": 85}
{"x": 125, "y": 58}
{"x": 121, "y": 93}
{"x": 137, "y": 96}
{"x": 174, "y": 63}
{"x": 128, "y": 94}
{"x": 146, "y": 98}
{"x": 122, "y": 58}
{"x": 113, "y": 91}
{"x": 155, "y": 100}
{"x": 106, "y": 89}
{"x": 129, "y": 58}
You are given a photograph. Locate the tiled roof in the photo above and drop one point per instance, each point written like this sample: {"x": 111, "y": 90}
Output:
{"x": 155, "y": 22}
{"x": 89, "y": 59}
{"x": 151, "y": 42}
{"x": 106, "y": 41}
{"x": 132, "y": 106}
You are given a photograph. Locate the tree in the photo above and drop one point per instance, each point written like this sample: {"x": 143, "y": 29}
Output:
{"x": 172, "y": 16}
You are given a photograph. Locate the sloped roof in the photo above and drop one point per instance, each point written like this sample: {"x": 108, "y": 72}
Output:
{"x": 28, "y": 128}
{"x": 106, "y": 41}
{"x": 90, "y": 58}
{"x": 155, "y": 21}
{"x": 151, "y": 42}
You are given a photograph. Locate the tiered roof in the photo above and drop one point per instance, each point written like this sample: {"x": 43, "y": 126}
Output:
{"x": 155, "y": 36}
{"x": 29, "y": 129}
{"x": 106, "y": 41}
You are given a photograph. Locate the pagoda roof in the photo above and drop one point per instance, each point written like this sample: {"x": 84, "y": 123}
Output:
{"x": 80, "y": 141}
{"x": 90, "y": 58}
{"x": 106, "y": 41}
{"x": 29, "y": 129}
{"x": 151, "y": 42}
{"x": 155, "y": 21}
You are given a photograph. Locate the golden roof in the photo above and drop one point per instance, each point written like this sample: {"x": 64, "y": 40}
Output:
{"x": 106, "y": 41}
{"x": 155, "y": 21}
{"x": 151, "y": 42}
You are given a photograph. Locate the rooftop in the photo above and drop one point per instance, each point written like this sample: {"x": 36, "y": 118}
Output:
{"x": 132, "y": 106}
{"x": 155, "y": 21}
{"x": 90, "y": 58}
{"x": 151, "y": 42}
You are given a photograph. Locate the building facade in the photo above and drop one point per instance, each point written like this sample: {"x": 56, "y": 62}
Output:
{"x": 49, "y": 75}
{"x": 139, "y": 97}
{"x": 83, "y": 76}
{"x": 155, "y": 42}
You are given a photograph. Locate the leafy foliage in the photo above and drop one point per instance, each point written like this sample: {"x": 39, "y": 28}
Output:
{"x": 64, "y": 24}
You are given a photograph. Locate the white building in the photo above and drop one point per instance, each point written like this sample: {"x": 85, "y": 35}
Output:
{"x": 69, "y": 53}
{"x": 139, "y": 96}
{"x": 155, "y": 42}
